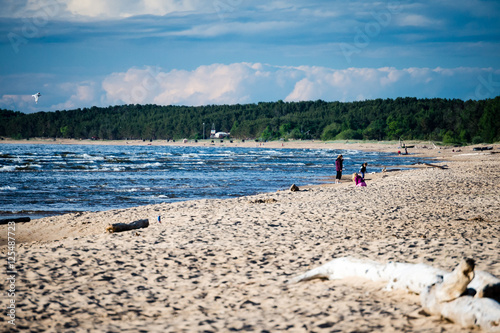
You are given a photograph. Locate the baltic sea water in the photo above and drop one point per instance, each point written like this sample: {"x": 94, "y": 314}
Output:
{"x": 45, "y": 180}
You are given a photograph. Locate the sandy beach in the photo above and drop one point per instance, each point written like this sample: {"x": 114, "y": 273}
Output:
{"x": 223, "y": 265}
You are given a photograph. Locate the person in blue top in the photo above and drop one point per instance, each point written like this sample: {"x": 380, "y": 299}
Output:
{"x": 362, "y": 170}
{"x": 339, "y": 164}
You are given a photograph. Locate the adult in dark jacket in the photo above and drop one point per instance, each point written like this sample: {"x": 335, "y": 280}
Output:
{"x": 339, "y": 164}
{"x": 362, "y": 170}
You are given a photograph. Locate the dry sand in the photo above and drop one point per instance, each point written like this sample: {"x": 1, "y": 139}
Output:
{"x": 223, "y": 265}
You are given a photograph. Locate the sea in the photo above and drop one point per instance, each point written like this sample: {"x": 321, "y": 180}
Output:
{"x": 45, "y": 180}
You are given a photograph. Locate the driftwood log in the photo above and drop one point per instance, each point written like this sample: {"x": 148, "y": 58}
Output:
{"x": 119, "y": 227}
{"x": 441, "y": 292}
{"x": 444, "y": 167}
{"x": 17, "y": 219}
{"x": 390, "y": 170}
{"x": 482, "y": 148}
{"x": 446, "y": 298}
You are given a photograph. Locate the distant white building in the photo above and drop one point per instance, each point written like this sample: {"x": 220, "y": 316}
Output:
{"x": 217, "y": 135}
{"x": 220, "y": 135}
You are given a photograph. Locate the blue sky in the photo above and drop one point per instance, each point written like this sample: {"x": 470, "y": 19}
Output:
{"x": 81, "y": 53}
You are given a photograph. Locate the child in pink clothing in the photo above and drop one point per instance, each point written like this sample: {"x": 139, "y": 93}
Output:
{"x": 358, "y": 180}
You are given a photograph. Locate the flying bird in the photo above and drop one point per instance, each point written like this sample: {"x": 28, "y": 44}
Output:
{"x": 36, "y": 97}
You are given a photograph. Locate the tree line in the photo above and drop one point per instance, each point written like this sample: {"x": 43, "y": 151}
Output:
{"x": 451, "y": 121}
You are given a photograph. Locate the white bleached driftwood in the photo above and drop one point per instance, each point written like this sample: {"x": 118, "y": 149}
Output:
{"x": 486, "y": 285}
{"x": 442, "y": 292}
{"x": 444, "y": 298}
{"x": 409, "y": 277}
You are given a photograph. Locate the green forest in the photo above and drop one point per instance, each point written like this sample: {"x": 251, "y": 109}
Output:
{"x": 451, "y": 121}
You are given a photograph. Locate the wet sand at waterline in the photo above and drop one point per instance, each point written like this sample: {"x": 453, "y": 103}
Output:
{"x": 223, "y": 265}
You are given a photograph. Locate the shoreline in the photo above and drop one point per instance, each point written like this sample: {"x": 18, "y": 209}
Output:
{"x": 384, "y": 146}
{"x": 224, "y": 264}
{"x": 439, "y": 154}
{"x": 421, "y": 148}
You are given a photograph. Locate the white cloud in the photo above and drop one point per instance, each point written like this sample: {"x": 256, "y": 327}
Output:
{"x": 54, "y": 96}
{"x": 305, "y": 89}
{"x": 255, "y": 82}
{"x": 388, "y": 82}
{"x": 240, "y": 28}
{"x": 213, "y": 84}
{"x": 104, "y": 9}
{"x": 127, "y": 8}
{"x": 249, "y": 83}
{"x": 355, "y": 83}
{"x": 16, "y": 102}
{"x": 82, "y": 94}
{"x": 414, "y": 20}
{"x": 273, "y": 6}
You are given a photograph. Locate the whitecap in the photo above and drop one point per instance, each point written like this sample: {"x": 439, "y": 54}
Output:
{"x": 8, "y": 188}
{"x": 92, "y": 158}
{"x": 8, "y": 168}
{"x": 130, "y": 190}
{"x": 148, "y": 165}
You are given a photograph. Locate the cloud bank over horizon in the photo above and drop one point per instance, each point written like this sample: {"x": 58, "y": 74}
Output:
{"x": 242, "y": 83}
{"x": 247, "y": 83}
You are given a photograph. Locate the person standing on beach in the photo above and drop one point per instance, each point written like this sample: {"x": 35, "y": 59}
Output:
{"x": 338, "y": 166}
{"x": 362, "y": 170}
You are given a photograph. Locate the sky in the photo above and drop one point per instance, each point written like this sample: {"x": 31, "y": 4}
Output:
{"x": 84, "y": 53}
